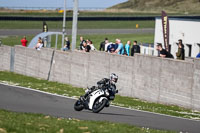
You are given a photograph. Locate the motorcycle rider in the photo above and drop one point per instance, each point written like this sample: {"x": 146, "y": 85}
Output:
{"x": 104, "y": 84}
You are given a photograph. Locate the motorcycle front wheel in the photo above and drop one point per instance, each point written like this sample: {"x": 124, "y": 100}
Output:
{"x": 78, "y": 106}
{"x": 98, "y": 106}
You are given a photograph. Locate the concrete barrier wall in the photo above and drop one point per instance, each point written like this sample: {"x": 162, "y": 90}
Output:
{"x": 176, "y": 82}
{"x": 5, "y": 53}
{"x": 196, "y": 85}
{"x": 164, "y": 80}
{"x": 146, "y": 77}
{"x": 31, "y": 62}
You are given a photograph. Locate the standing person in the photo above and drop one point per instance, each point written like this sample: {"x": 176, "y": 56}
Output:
{"x": 102, "y": 45}
{"x": 67, "y": 44}
{"x": 86, "y": 47}
{"x": 81, "y": 42}
{"x": 157, "y": 48}
{"x": 163, "y": 52}
{"x": 120, "y": 48}
{"x": 127, "y": 48}
{"x": 198, "y": 55}
{"x": 24, "y": 41}
{"x": 39, "y": 44}
{"x": 181, "y": 52}
{"x": 135, "y": 48}
{"x": 180, "y": 42}
{"x": 111, "y": 48}
{"x": 91, "y": 45}
{"x": 107, "y": 43}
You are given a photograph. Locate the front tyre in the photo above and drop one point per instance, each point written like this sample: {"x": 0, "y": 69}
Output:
{"x": 78, "y": 106}
{"x": 98, "y": 106}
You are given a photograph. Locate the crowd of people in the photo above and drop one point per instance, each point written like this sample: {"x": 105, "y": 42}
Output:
{"x": 165, "y": 54}
{"x": 86, "y": 45}
{"x": 110, "y": 47}
{"x": 119, "y": 48}
{"x": 115, "y": 48}
{"x": 38, "y": 45}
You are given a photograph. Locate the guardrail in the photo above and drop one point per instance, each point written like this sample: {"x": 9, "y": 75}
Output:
{"x": 22, "y": 18}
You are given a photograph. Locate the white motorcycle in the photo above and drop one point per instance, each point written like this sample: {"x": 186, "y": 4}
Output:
{"x": 96, "y": 100}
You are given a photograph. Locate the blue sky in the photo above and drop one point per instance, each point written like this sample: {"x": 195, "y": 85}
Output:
{"x": 58, "y": 3}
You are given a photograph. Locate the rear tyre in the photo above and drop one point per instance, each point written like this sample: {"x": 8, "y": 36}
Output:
{"x": 98, "y": 106}
{"x": 78, "y": 106}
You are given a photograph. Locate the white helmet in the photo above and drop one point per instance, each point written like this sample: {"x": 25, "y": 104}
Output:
{"x": 113, "y": 78}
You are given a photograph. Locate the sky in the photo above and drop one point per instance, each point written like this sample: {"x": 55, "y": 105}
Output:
{"x": 59, "y": 3}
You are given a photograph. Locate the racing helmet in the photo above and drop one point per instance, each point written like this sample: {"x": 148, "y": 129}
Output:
{"x": 113, "y": 78}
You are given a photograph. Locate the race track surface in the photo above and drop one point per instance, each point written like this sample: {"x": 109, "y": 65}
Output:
{"x": 22, "y": 32}
{"x": 26, "y": 100}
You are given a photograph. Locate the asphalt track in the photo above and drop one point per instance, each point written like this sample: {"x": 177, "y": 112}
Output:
{"x": 21, "y": 99}
{"x": 13, "y": 32}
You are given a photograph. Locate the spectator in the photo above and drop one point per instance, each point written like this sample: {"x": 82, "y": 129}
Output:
{"x": 81, "y": 42}
{"x": 67, "y": 44}
{"x": 111, "y": 48}
{"x": 87, "y": 41}
{"x": 41, "y": 40}
{"x": 157, "y": 48}
{"x": 120, "y": 48}
{"x": 106, "y": 45}
{"x": 181, "y": 52}
{"x": 102, "y": 45}
{"x": 127, "y": 48}
{"x": 91, "y": 45}
{"x": 39, "y": 44}
{"x": 86, "y": 47}
{"x": 135, "y": 48}
{"x": 198, "y": 55}
{"x": 180, "y": 42}
{"x": 24, "y": 41}
{"x": 163, "y": 52}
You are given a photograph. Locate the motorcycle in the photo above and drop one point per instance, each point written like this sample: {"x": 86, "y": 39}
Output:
{"x": 95, "y": 101}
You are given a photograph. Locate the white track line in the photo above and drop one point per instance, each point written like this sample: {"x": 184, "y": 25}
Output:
{"x": 26, "y": 88}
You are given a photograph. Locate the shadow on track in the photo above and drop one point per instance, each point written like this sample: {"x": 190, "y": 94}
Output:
{"x": 113, "y": 114}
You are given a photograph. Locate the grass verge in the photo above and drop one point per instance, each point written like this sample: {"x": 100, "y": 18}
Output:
{"x": 97, "y": 39}
{"x": 68, "y": 90}
{"x": 37, "y": 123}
{"x": 81, "y": 24}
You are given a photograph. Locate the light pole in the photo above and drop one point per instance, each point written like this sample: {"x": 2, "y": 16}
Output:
{"x": 75, "y": 22}
{"x": 64, "y": 19}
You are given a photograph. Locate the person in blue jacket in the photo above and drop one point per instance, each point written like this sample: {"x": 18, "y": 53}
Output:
{"x": 127, "y": 48}
{"x": 111, "y": 48}
{"x": 198, "y": 56}
{"x": 120, "y": 48}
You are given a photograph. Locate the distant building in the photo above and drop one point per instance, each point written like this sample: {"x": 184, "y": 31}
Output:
{"x": 186, "y": 29}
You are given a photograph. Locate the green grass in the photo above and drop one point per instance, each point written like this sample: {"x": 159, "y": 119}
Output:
{"x": 43, "y": 85}
{"x": 68, "y": 90}
{"x": 97, "y": 39}
{"x": 81, "y": 24}
{"x": 37, "y": 123}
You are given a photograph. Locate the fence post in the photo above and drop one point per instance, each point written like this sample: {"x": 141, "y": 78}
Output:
{"x": 52, "y": 57}
{"x": 12, "y": 59}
